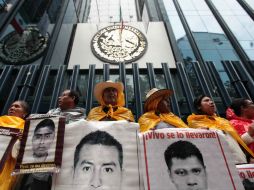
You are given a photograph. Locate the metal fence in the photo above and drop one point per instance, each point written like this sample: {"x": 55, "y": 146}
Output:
{"x": 32, "y": 84}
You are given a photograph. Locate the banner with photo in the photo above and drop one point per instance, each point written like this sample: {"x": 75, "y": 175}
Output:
{"x": 41, "y": 145}
{"x": 99, "y": 155}
{"x": 246, "y": 173}
{"x": 8, "y": 136}
{"x": 178, "y": 159}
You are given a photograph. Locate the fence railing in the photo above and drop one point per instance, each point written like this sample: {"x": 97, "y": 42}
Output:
{"x": 41, "y": 88}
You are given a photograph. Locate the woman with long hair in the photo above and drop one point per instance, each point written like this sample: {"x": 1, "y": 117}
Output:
{"x": 15, "y": 118}
{"x": 206, "y": 117}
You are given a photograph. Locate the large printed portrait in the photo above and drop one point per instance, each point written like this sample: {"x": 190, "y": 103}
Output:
{"x": 41, "y": 141}
{"x": 41, "y": 146}
{"x": 100, "y": 155}
{"x": 187, "y": 159}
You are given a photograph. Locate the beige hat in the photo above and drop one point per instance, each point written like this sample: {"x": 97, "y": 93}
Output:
{"x": 100, "y": 87}
{"x": 155, "y": 93}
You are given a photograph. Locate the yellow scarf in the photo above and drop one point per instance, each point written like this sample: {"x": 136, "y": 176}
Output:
{"x": 6, "y": 180}
{"x": 149, "y": 120}
{"x": 215, "y": 122}
{"x": 121, "y": 113}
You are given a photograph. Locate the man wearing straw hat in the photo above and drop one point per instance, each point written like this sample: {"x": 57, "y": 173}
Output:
{"x": 111, "y": 97}
{"x": 158, "y": 112}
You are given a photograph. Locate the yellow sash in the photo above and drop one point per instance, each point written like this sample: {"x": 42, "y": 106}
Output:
{"x": 149, "y": 120}
{"x": 121, "y": 113}
{"x": 6, "y": 180}
{"x": 215, "y": 122}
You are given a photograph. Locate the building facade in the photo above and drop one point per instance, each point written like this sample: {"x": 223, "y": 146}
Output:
{"x": 191, "y": 46}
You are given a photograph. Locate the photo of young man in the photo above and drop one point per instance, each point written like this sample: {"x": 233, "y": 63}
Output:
{"x": 43, "y": 137}
{"x": 186, "y": 167}
{"x": 98, "y": 161}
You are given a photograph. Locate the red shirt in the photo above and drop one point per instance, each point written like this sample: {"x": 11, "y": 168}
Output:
{"x": 240, "y": 124}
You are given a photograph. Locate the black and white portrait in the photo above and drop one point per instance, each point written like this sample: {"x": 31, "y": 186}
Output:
{"x": 186, "y": 167}
{"x": 100, "y": 155}
{"x": 187, "y": 159}
{"x": 41, "y": 142}
{"x": 98, "y": 160}
{"x": 41, "y": 146}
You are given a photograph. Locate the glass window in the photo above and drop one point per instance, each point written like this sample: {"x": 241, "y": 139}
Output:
{"x": 62, "y": 43}
{"x": 209, "y": 36}
{"x": 112, "y": 11}
{"x": 179, "y": 32}
{"x": 251, "y": 3}
{"x": 239, "y": 23}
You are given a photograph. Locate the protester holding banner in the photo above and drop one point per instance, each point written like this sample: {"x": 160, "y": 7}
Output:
{"x": 158, "y": 112}
{"x": 111, "y": 97}
{"x": 68, "y": 108}
{"x": 241, "y": 116}
{"x": 207, "y": 118}
{"x": 41, "y": 151}
{"x": 17, "y": 112}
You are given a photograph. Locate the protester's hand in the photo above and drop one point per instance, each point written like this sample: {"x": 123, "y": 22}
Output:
{"x": 20, "y": 134}
{"x": 15, "y": 149}
{"x": 251, "y": 130}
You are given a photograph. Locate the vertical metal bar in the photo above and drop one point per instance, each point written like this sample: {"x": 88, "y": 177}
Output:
{"x": 55, "y": 33}
{"x": 137, "y": 93}
{"x": 245, "y": 76}
{"x": 89, "y": 94}
{"x": 28, "y": 84}
{"x": 251, "y": 63}
{"x": 40, "y": 89}
{"x": 105, "y": 72}
{"x": 186, "y": 86}
{"x": 240, "y": 51}
{"x": 151, "y": 9}
{"x": 169, "y": 84}
{"x": 235, "y": 79}
{"x": 192, "y": 41}
{"x": 188, "y": 32}
{"x": 170, "y": 33}
{"x": 57, "y": 87}
{"x": 138, "y": 11}
{"x": 151, "y": 75}
{"x": 122, "y": 75}
{"x": 14, "y": 90}
{"x": 5, "y": 76}
{"x": 74, "y": 77}
{"x": 219, "y": 84}
{"x": 247, "y": 8}
{"x": 200, "y": 76}
{"x": 7, "y": 17}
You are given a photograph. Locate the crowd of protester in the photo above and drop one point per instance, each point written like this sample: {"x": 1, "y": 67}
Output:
{"x": 237, "y": 127}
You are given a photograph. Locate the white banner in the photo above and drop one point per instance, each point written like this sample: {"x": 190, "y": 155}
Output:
{"x": 187, "y": 159}
{"x": 99, "y": 155}
{"x": 8, "y": 137}
{"x": 246, "y": 173}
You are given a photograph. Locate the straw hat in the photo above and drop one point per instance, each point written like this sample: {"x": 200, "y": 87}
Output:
{"x": 100, "y": 87}
{"x": 156, "y": 93}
